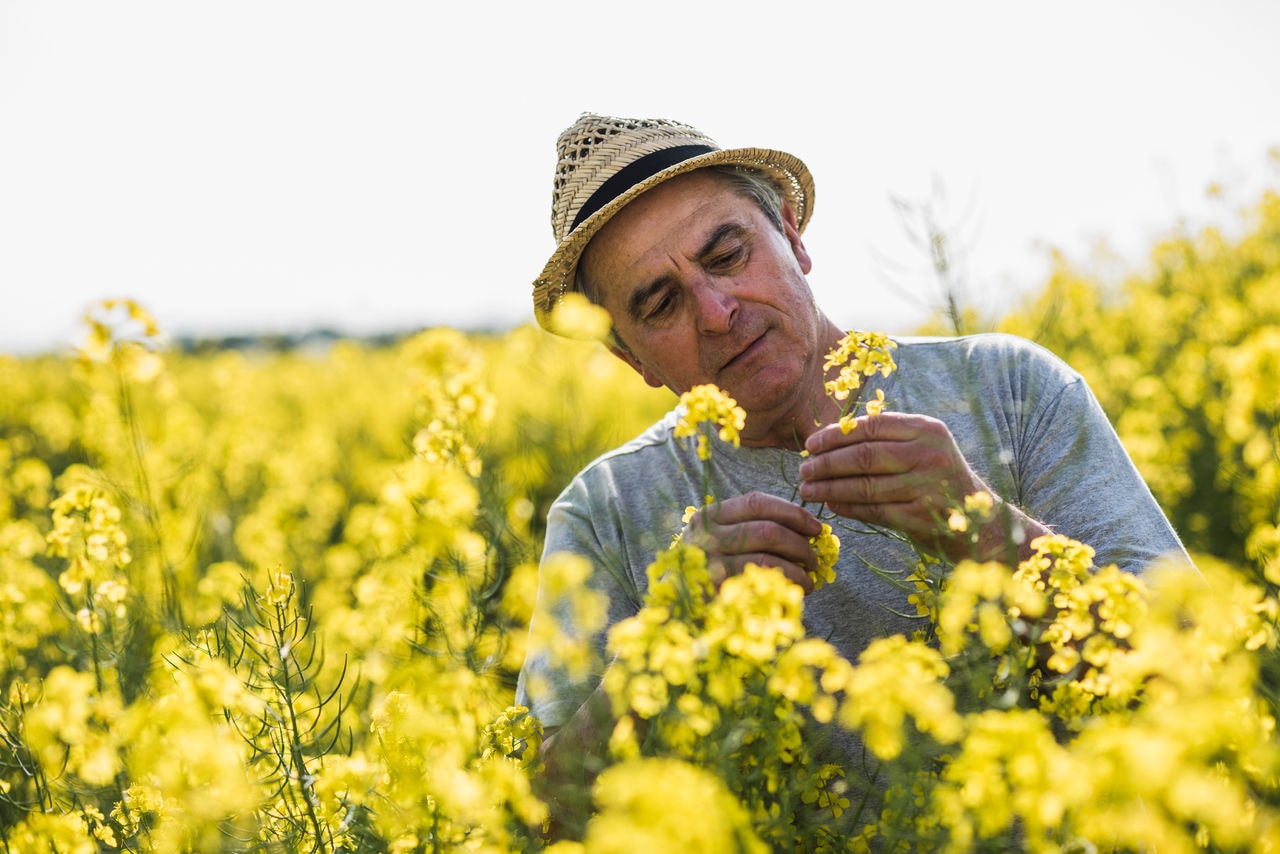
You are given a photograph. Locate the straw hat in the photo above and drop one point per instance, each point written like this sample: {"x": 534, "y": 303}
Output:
{"x": 605, "y": 162}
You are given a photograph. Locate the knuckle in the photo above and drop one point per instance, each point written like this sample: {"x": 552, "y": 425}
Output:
{"x": 769, "y": 536}
{"x": 864, "y": 491}
{"x": 864, "y": 457}
{"x": 764, "y": 559}
{"x": 757, "y": 503}
{"x": 876, "y": 514}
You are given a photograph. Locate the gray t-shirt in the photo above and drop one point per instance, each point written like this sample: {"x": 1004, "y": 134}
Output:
{"x": 1027, "y": 423}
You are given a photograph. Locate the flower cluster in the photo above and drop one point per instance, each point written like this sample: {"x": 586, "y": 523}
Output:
{"x": 88, "y": 534}
{"x": 126, "y": 335}
{"x": 826, "y": 551}
{"x": 708, "y": 405}
{"x": 664, "y": 804}
{"x": 259, "y": 621}
{"x": 858, "y": 355}
{"x": 700, "y": 668}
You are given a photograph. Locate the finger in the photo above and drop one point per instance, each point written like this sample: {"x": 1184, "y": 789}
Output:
{"x": 867, "y": 459}
{"x": 901, "y": 460}
{"x": 760, "y": 506}
{"x": 722, "y": 569}
{"x": 755, "y": 538}
{"x": 877, "y": 446}
{"x": 846, "y": 489}
{"x": 885, "y": 427}
{"x": 915, "y": 518}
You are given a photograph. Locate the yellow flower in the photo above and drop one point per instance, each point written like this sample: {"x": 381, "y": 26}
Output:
{"x": 811, "y": 672}
{"x": 124, "y": 333}
{"x": 708, "y": 404}
{"x": 563, "y": 625}
{"x": 979, "y": 504}
{"x": 575, "y": 316}
{"x": 279, "y": 589}
{"x": 757, "y": 614}
{"x": 667, "y": 805}
{"x": 859, "y": 354}
{"x": 85, "y": 517}
{"x": 971, "y": 601}
{"x": 876, "y": 406}
{"x": 90, "y": 621}
{"x": 1008, "y": 768}
{"x": 896, "y": 679}
{"x": 515, "y": 734}
{"x": 826, "y": 549}
{"x": 827, "y": 790}
{"x": 46, "y": 833}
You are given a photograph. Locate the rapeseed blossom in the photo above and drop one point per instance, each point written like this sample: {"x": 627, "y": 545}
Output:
{"x": 698, "y": 664}
{"x": 707, "y": 404}
{"x": 69, "y": 726}
{"x": 664, "y": 804}
{"x": 87, "y": 531}
{"x": 123, "y": 333}
{"x": 858, "y": 355}
{"x": 562, "y": 628}
{"x": 895, "y": 684}
{"x": 352, "y": 472}
{"x": 577, "y": 317}
{"x": 826, "y": 551}
{"x": 1008, "y": 770}
{"x": 756, "y": 615}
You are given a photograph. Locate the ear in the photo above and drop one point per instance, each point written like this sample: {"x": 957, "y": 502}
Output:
{"x": 636, "y": 365}
{"x": 792, "y": 231}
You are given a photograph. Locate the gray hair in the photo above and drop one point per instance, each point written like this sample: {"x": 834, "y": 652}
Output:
{"x": 748, "y": 183}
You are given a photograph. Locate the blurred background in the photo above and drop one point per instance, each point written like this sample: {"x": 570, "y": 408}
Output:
{"x": 276, "y": 167}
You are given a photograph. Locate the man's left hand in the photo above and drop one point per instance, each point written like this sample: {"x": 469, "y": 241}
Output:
{"x": 896, "y": 470}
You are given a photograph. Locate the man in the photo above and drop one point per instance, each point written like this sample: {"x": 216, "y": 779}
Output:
{"x": 696, "y": 254}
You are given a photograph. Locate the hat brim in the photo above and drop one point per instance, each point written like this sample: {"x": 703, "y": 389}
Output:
{"x": 557, "y": 279}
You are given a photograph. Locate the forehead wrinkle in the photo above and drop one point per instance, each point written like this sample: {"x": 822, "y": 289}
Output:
{"x": 730, "y": 229}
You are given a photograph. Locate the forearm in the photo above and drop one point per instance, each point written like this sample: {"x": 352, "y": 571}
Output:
{"x": 1006, "y": 537}
{"x": 572, "y": 756}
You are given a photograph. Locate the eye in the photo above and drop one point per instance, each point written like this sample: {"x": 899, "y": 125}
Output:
{"x": 727, "y": 259}
{"x": 659, "y": 304}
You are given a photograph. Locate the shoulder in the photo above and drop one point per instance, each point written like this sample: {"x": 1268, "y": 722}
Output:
{"x": 983, "y": 353}
{"x": 656, "y": 436}
{"x": 645, "y": 452}
{"x": 620, "y": 507}
{"x": 982, "y": 345}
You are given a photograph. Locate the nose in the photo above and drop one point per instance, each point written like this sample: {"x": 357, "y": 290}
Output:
{"x": 717, "y": 307}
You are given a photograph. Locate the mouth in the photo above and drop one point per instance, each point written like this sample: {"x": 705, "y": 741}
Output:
{"x": 744, "y": 355}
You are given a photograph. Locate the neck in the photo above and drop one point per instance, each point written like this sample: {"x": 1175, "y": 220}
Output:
{"x": 810, "y": 409}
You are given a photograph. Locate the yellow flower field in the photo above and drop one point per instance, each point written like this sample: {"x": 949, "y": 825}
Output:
{"x": 276, "y": 600}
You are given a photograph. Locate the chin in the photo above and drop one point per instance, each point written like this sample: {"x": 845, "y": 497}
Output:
{"x": 766, "y": 391}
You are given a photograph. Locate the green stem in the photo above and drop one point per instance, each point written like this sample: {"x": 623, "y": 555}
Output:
{"x": 297, "y": 759}
{"x": 150, "y": 510}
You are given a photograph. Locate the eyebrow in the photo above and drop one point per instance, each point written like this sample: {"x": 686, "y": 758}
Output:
{"x": 725, "y": 231}
{"x": 641, "y": 295}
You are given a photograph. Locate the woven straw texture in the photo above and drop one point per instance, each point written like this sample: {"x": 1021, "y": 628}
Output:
{"x": 594, "y": 149}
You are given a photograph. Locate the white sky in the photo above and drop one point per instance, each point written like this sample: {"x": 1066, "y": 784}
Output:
{"x": 271, "y": 165}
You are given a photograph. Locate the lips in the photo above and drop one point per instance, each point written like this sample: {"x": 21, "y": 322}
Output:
{"x": 745, "y": 352}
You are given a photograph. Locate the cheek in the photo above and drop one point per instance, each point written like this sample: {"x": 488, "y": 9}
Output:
{"x": 673, "y": 355}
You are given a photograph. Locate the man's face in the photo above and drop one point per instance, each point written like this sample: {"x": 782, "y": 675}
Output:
{"x": 703, "y": 288}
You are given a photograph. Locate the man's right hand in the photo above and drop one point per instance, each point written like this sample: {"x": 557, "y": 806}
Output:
{"x": 755, "y": 528}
